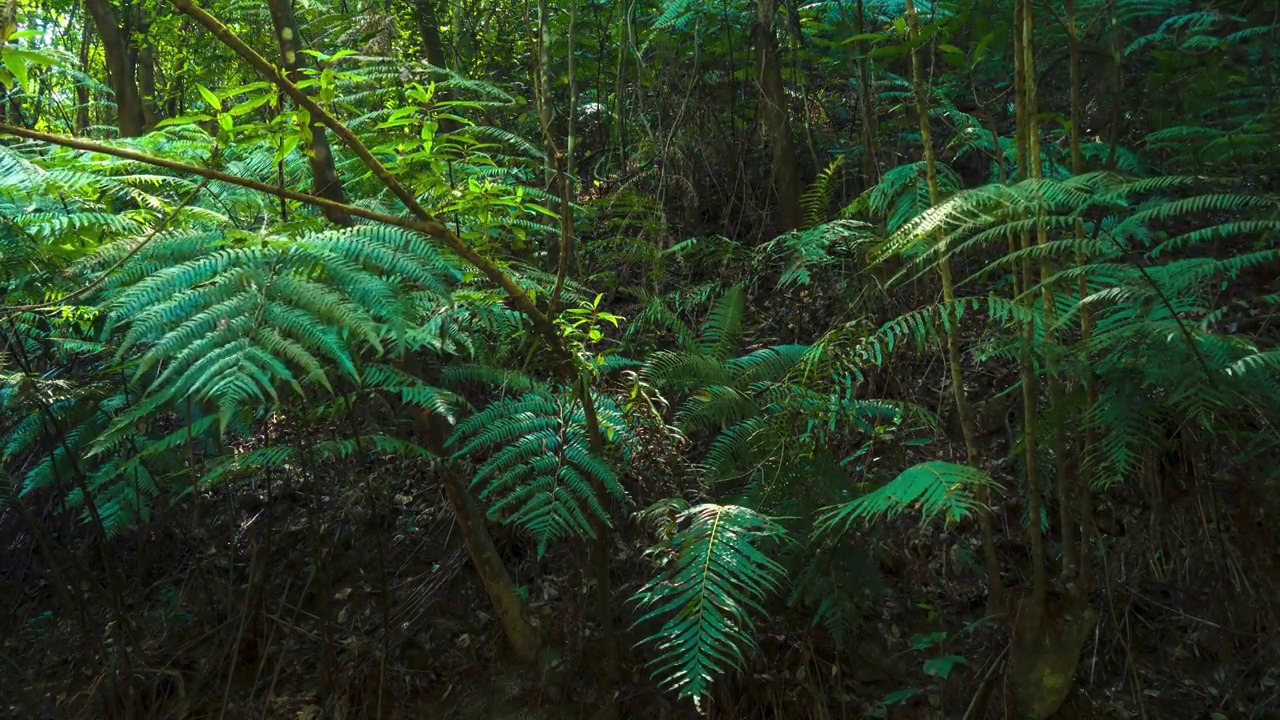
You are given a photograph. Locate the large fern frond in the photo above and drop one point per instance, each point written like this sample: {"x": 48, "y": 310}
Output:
{"x": 714, "y": 576}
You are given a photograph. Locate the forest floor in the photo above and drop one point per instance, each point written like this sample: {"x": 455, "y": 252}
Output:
{"x": 228, "y": 620}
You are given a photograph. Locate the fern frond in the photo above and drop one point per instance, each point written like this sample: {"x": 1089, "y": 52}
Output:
{"x": 714, "y": 577}
{"x": 933, "y": 488}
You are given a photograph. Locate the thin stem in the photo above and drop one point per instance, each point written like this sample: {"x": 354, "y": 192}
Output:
{"x": 995, "y": 596}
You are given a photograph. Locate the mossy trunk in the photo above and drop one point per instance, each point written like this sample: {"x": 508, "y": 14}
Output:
{"x": 1047, "y": 641}
{"x": 121, "y": 68}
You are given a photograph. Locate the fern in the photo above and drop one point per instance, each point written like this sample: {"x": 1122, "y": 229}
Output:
{"x": 932, "y": 488}
{"x": 817, "y": 199}
{"x": 714, "y": 577}
{"x": 542, "y": 474}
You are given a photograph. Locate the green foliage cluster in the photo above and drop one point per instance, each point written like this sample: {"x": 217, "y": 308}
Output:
{"x": 156, "y": 329}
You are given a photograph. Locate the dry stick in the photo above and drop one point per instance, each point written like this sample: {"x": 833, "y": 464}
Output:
{"x": 978, "y": 705}
{"x": 233, "y": 648}
{"x": 284, "y": 645}
{"x": 266, "y": 646}
{"x": 382, "y": 566}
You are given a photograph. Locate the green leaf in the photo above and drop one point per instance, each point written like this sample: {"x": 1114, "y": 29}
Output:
{"x": 183, "y": 120}
{"x": 34, "y": 57}
{"x": 900, "y": 696}
{"x": 942, "y": 666}
{"x": 934, "y": 488}
{"x": 287, "y": 146}
{"x": 891, "y": 51}
{"x": 17, "y": 67}
{"x": 865, "y": 37}
{"x": 209, "y": 97}
{"x": 249, "y": 105}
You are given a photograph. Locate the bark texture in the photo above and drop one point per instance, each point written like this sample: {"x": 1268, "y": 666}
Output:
{"x": 324, "y": 173}
{"x": 774, "y": 124}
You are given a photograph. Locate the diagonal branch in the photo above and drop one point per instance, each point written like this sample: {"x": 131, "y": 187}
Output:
{"x": 436, "y": 229}
{"x": 432, "y": 227}
{"x": 209, "y": 173}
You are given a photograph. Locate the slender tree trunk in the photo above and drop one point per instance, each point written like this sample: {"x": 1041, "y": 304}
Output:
{"x": 429, "y": 27}
{"x": 995, "y": 596}
{"x": 867, "y": 93}
{"x": 324, "y": 173}
{"x": 523, "y": 636}
{"x": 569, "y": 235}
{"x": 82, "y": 90}
{"x": 600, "y": 552}
{"x": 1084, "y": 502}
{"x": 1117, "y": 90}
{"x": 571, "y": 139}
{"x": 546, "y": 111}
{"x": 146, "y": 65}
{"x": 774, "y": 124}
{"x": 120, "y": 67}
{"x": 1031, "y": 161}
{"x": 1053, "y": 382}
{"x": 433, "y": 51}
{"x": 619, "y": 92}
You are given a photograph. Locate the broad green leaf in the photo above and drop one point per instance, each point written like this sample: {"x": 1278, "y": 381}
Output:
{"x": 209, "y": 97}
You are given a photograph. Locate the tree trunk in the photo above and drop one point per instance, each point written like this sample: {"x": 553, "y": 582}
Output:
{"x": 867, "y": 91}
{"x": 546, "y": 111}
{"x": 774, "y": 124}
{"x": 82, "y": 90}
{"x": 1030, "y": 386}
{"x": 120, "y": 67}
{"x": 1084, "y": 497}
{"x": 991, "y": 563}
{"x": 147, "y": 86}
{"x": 145, "y": 68}
{"x": 324, "y": 174}
{"x": 433, "y": 51}
{"x": 523, "y": 636}
{"x": 429, "y": 27}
